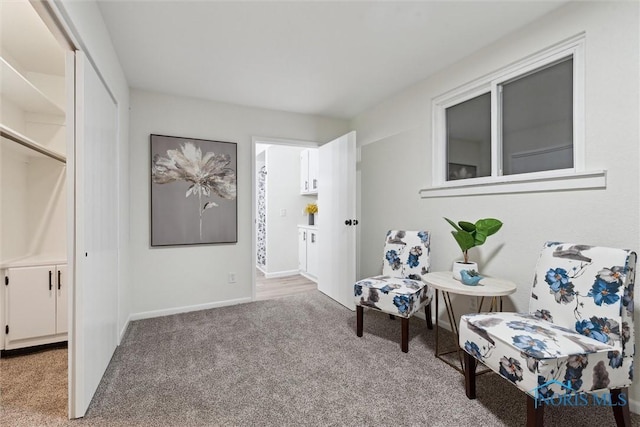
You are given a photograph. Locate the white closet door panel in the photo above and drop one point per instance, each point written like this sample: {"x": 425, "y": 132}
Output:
{"x": 32, "y": 304}
{"x": 96, "y": 280}
{"x": 62, "y": 300}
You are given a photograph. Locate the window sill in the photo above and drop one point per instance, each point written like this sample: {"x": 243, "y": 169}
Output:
{"x": 526, "y": 183}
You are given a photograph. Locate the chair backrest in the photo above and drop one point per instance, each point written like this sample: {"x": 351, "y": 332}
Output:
{"x": 587, "y": 289}
{"x": 406, "y": 254}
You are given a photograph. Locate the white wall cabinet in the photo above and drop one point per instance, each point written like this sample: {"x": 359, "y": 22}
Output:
{"x": 308, "y": 251}
{"x": 309, "y": 171}
{"x": 36, "y": 305}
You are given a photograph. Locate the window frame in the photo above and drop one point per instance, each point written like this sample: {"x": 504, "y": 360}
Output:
{"x": 573, "y": 47}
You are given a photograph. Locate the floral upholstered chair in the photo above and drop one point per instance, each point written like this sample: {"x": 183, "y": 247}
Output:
{"x": 399, "y": 291}
{"x": 577, "y": 338}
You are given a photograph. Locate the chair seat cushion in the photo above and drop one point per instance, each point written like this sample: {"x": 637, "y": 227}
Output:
{"x": 393, "y": 295}
{"x": 540, "y": 357}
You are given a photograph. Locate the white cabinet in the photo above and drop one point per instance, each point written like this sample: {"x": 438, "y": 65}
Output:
{"x": 302, "y": 249}
{"x": 309, "y": 171}
{"x": 308, "y": 251}
{"x": 36, "y": 302}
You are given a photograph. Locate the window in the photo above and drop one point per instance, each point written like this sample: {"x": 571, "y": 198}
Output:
{"x": 523, "y": 122}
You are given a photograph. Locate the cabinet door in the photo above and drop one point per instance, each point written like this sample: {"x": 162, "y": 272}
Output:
{"x": 62, "y": 303}
{"x": 312, "y": 253}
{"x": 31, "y": 302}
{"x": 304, "y": 171}
{"x": 313, "y": 170}
{"x": 302, "y": 249}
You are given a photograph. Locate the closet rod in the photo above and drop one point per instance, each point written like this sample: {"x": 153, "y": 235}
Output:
{"x": 26, "y": 142}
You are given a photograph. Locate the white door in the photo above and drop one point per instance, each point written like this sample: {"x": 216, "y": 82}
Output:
{"x": 336, "y": 216}
{"x": 95, "y": 249}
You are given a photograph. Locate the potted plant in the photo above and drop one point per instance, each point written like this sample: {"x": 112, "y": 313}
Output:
{"x": 469, "y": 235}
{"x": 311, "y": 209}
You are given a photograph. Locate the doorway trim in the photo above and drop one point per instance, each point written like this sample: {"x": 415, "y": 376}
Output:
{"x": 254, "y": 243}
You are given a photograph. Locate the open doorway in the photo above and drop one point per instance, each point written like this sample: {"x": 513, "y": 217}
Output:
{"x": 34, "y": 301}
{"x": 286, "y": 233}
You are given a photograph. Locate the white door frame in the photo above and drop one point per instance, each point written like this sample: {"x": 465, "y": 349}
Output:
{"x": 254, "y": 243}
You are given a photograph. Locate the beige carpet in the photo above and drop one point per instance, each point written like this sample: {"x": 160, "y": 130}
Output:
{"x": 33, "y": 388}
{"x": 293, "y": 361}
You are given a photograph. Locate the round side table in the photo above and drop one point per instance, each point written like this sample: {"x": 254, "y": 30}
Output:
{"x": 443, "y": 281}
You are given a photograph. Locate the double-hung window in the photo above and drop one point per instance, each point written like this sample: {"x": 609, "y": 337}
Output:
{"x": 523, "y": 123}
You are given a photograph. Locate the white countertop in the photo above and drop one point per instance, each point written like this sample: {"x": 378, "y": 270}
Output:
{"x": 311, "y": 227}
{"x": 34, "y": 260}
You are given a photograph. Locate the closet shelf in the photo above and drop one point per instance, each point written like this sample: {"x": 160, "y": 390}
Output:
{"x": 22, "y": 92}
{"x": 11, "y": 134}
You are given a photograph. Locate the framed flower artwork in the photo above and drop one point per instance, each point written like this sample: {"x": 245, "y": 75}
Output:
{"x": 193, "y": 191}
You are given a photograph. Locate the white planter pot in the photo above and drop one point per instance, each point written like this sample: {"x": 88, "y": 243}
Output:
{"x": 459, "y": 265}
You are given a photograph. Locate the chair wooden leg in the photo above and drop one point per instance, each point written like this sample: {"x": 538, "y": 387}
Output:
{"x": 621, "y": 408}
{"x": 405, "y": 335}
{"x": 535, "y": 414}
{"x": 359, "y": 316}
{"x": 427, "y": 315}
{"x": 470, "y": 375}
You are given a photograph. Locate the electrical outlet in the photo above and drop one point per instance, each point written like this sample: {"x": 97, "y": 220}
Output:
{"x": 232, "y": 278}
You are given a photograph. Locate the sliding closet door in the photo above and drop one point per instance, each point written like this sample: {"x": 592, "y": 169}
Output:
{"x": 96, "y": 226}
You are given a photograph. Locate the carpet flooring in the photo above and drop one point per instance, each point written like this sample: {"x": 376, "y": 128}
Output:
{"x": 295, "y": 361}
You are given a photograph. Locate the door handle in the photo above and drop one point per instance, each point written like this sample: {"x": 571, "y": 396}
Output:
{"x": 351, "y": 222}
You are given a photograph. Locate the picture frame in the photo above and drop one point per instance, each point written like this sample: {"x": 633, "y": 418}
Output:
{"x": 457, "y": 171}
{"x": 193, "y": 189}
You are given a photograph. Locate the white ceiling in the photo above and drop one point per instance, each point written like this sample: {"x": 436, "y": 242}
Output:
{"x": 328, "y": 58}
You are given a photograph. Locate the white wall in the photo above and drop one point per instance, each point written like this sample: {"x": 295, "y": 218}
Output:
{"x": 47, "y": 207}
{"x": 400, "y": 129}
{"x": 85, "y": 22}
{"x": 283, "y": 192}
{"x": 15, "y": 202}
{"x": 170, "y": 279}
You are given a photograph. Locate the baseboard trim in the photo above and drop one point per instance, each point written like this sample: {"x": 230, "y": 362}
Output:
{"x": 308, "y": 276}
{"x": 186, "y": 309}
{"x": 124, "y": 330}
{"x": 285, "y": 273}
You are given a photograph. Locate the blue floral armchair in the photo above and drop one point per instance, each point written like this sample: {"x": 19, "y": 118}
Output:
{"x": 577, "y": 337}
{"x": 399, "y": 291}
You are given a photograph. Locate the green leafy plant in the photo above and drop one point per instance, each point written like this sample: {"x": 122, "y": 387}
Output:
{"x": 469, "y": 235}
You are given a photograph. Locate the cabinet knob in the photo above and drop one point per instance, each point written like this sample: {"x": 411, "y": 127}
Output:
{"x": 50, "y": 283}
{"x": 347, "y": 222}
{"x": 59, "y": 280}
